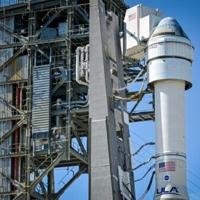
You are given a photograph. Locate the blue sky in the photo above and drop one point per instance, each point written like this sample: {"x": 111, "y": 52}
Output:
{"x": 187, "y": 14}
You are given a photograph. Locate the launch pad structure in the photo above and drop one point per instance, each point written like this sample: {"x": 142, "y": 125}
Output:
{"x": 62, "y": 91}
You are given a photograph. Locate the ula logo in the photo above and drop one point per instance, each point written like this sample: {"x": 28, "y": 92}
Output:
{"x": 172, "y": 190}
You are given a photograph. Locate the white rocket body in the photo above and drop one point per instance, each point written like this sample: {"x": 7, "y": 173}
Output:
{"x": 169, "y": 59}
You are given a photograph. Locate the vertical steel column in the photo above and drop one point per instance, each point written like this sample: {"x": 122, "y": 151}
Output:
{"x": 118, "y": 82}
{"x": 51, "y": 189}
{"x": 68, "y": 85}
{"x": 104, "y": 179}
{"x": 31, "y": 30}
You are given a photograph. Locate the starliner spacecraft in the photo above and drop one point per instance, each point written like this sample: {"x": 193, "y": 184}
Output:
{"x": 168, "y": 56}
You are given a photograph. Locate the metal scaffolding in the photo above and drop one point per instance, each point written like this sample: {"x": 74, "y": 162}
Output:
{"x": 47, "y": 119}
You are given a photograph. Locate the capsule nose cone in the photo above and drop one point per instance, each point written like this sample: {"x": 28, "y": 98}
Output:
{"x": 169, "y": 26}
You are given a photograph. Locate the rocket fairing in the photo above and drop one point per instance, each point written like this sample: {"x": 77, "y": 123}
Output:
{"x": 169, "y": 61}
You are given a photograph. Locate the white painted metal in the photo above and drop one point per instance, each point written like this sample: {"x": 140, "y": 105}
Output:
{"x": 140, "y": 22}
{"x": 169, "y": 59}
{"x": 82, "y": 65}
{"x": 170, "y": 137}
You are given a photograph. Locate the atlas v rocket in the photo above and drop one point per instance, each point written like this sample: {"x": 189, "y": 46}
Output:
{"x": 169, "y": 60}
{"x": 168, "y": 55}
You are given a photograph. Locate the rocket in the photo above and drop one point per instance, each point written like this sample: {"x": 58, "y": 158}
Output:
{"x": 169, "y": 62}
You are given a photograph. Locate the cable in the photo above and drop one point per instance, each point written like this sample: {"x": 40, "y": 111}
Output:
{"x": 139, "y": 136}
{"x": 141, "y": 139}
{"x": 148, "y": 187}
{"x": 132, "y": 196}
{"x": 192, "y": 193}
{"x": 194, "y": 184}
{"x": 150, "y": 168}
{"x": 138, "y": 95}
{"x": 144, "y": 151}
{"x": 140, "y": 148}
{"x": 144, "y": 145}
{"x": 123, "y": 88}
{"x": 144, "y": 163}
{"x": 132, "y": 97}
{"x": 194, "y": 174}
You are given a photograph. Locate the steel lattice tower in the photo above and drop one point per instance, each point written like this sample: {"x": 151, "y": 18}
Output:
{"x": 48, "y": 120}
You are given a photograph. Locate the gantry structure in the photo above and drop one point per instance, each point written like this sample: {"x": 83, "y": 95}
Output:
{"x": 63, "y": 98}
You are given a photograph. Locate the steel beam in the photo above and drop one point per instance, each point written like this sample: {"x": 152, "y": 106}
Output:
{"x": 53, "y": 163}
{"x": 62, "y": 190}
{"x": 104, "y": 177}
{"x": 8, "y": 133}
{"x": 142, "y": 116}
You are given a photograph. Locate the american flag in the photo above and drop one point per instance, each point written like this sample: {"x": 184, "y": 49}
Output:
{"x": 167, "y": 166}
{"x": 132, "y": 17}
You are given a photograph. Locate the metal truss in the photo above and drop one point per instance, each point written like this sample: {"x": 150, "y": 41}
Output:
{"x": 41, "y": 165}
{"x": 38, "y": 166}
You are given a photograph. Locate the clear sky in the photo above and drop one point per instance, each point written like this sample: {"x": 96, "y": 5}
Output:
{"x": 187, "y": 14}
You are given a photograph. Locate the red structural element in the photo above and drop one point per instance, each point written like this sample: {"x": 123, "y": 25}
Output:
{"x": 16, "y": 139}
{"x": 18, "y": 90}
{"x": 16, "y": 159}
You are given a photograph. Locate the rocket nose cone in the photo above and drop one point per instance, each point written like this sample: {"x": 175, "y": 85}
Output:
{"x": 169, "y": 26}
